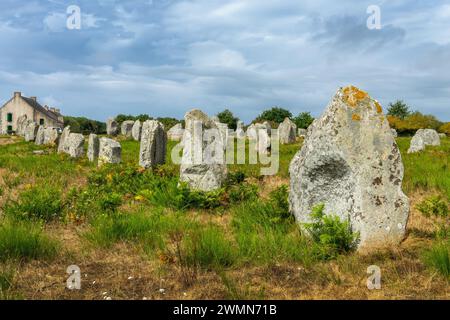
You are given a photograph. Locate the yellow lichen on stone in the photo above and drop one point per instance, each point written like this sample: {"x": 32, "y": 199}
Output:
{"x": 356, "y": 117}
{"x": 352, "y": 95}
{"x": 378, "y": 106}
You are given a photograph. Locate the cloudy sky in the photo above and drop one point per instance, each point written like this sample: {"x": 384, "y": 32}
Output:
{"x": 163, "y": 57}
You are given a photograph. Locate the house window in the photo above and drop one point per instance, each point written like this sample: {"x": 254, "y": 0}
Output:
{"x": 9, "y": 117}
{"x": 41, "y": 122}
{"x": 10, "y": 129}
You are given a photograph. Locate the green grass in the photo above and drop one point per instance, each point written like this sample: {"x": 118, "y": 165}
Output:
{"x": 148, "y": 228}
{"x": 20, "y": 240}
{"x": 427, "y": 170}
{"x": 209, "y": 248}
{"x": 438, "y": 258}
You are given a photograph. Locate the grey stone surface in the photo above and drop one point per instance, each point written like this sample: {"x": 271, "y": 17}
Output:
{"x": 22, "y": 123}
{"x": 240, "y": 132}
{"x": 203, "y": 164}
{"x": 93, "y": 147}
{"x": 287, "y": 131}
{"x": 112, "y": 127}
{"x": 127, "y": 128}
{"x": 252, "y": 134}
{"x": 136, "y": 131}
{"x": 31, "y": 131}
{"x": 176, "y": 132}
{"x": 263, "y": 141}
{"x": 75, "y": 145}
{"x": 394, "y": 133}
{"x": 302, "y": 132}
{"x": 350, "y": 162}
{"x": 223, "y": 129}
{"x": 110, "y": 152}
{"x": 62, "y": 144}
{"x": 153, "y": 144}
{"x": 423, "y": 138}
{"x": 51, "y": 136}
{"x": 39, "y": 141}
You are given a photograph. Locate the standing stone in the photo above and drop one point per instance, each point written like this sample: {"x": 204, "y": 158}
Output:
{"x": 302, "y": 133}
{"x": 136, "y": 131}
{"x": 240, "y": 133}
{"x": 423, "y": 138}
{"x": 203, "y": 164}
{"x": 127, "y": 128}
{"x": 153, "y": 144}
{"x": 31, "y": 131}
{"x": 287, "y": 131}
{"x": 350, "y": 162}
{"x": 252, "y": 134}
{"x": 394, "y": 133}
{"x": 112, "y": 127}
{"x": 442, "y": 135}
{"x": 110, "y": 152}
{"x": 51, "y": 136}
{"x": 176, "y": 132}
{"x": 263, "y": 141}
{"x": 223, "y": 130}
{"x": 22, "y": 122}
{"x": 75, "y": 145}
{"x": 93, "y": 147}
{"x": 40, "y": 135}
{"x": 62, "y": 145}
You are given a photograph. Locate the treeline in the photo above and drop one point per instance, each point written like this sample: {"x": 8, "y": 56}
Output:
{"x": 407, "y": 122}
{"x": 166, "y": 121}
{"x": 84, "y": 125}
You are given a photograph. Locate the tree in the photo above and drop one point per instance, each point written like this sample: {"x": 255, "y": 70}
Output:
{"x": 228, "y": 118}
{"x": 445, "y": 128}
{"x": 274, "y": 115}
{"x": 303, "y": 120}
{"x": 84, "y": 125}
{"x": 398, "y": 109}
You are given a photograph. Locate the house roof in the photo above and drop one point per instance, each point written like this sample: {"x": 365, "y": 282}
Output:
{"x": 35, "y": 105}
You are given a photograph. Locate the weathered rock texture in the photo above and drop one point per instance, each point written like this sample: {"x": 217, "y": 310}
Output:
{"x": 153, "y": 144}
{"x": 22, "y": 123}
{"x": 31, "y": 131}
{"x": 127, "y": 128}
{"x": 287, "y": 131}
{"x": 62, "y": 145}
{"x": 136, "y": 131}
{"x": 252, "y": 134}
{"x": 93, "y": 147}
{"x": 351, "y": 163}
{"x": 75, "y": 145}
{"x": 203, "y": 164}
{"x": 110, "y": 152}
{"x": 263, "y": 141}
{"x": 302, "y": 132}
{"x": 394, "y": 133}
{"x": 176, "y": 132}
{"x": 112, "y": 127}
{"x": 51, "y": 136}
{"x": 423, "y": 138}
{"x": 240, "y": 132}
{"x": 40, "y": 136}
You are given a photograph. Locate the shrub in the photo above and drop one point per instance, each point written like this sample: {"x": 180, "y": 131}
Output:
{"x": 22, "y": 240}
{"x": 110, "y": 202}
{"x": 38, "y": 203}
{"x": 438, "y": 258}
{"x": 333, "y": 236}
{"x": 303, "y": 120}
{"x": 228, "y": 118}
{"x": 208, "y": 248}
{"x": 445, "y": 128}
{"x": 242, "y": 192}
{"x": 280, "y": 204}
{"x": 275, "y": 115}
{"x": 433, "y": 206}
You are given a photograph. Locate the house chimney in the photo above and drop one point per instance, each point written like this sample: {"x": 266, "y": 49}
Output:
{"x": 58, "y": 111}
{"x": 46, "y": 107}
{"x": 34, "y": 99}
{"x": 52, "y": 110}
{"x": 17, "y": 94}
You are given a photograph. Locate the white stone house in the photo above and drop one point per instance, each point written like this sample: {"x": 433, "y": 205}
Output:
{"x": 19, "y": 105}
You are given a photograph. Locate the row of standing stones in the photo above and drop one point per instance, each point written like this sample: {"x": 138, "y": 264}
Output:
{"x": 349, "y": 161}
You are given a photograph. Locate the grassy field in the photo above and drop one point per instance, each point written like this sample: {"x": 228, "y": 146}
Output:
{"x": 138, "y": 234}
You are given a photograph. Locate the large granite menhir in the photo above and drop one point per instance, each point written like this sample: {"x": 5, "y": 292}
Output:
{"x": 203, "y": 164}
{"x": 350, "y": 162}
{"x": 153, "y": 144}
{"x": 110, "y": 151}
